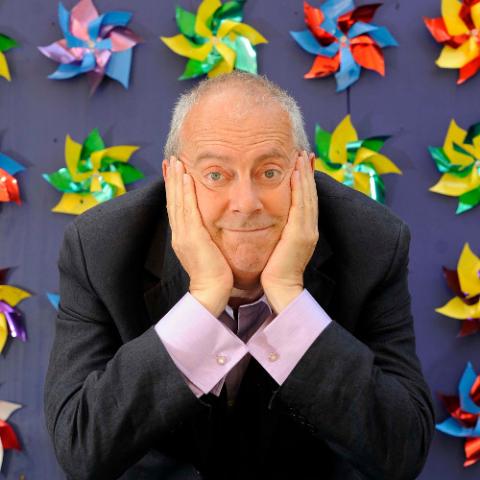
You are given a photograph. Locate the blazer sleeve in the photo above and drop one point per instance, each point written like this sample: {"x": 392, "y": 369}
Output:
{"x": 366, "y": 397}
{"x": 106, "y": 402}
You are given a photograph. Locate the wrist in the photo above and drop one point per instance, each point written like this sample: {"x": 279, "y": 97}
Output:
{"x": 213, "y": 300}
{"x": 281, "y": 297}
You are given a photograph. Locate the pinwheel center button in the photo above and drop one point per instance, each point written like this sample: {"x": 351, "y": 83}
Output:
{"x": 221, "y": 359}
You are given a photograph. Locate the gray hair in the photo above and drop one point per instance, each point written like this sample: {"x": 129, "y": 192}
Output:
{"x": 249, "y": 82}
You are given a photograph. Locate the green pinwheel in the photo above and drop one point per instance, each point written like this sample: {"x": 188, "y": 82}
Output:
{"x": 353, "y": 162}
{"x": 215, "y": 40}
{"x": 94, "y": 174}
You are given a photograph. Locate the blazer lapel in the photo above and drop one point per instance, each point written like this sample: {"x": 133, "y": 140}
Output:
{"x": 165, "y": 279}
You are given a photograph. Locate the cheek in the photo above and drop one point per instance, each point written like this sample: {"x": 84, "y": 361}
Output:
{"x": 210, "y": 204}
{"x": 277, "y": 201}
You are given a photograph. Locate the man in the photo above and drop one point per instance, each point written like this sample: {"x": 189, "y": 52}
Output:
{"x": 260, "y": 330}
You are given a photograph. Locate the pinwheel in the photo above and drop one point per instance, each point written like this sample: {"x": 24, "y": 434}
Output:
{"x": 9, "y": 191}
{"x": 459, "y": 162}
{"x": 94, "y": 174}
{"x": 458, "y": 30}
{"x": 464, "y": 410}
{"x": 8, "y": 438}
{"x": 343, "y": 40}
{"x": 353, "y": 162}
{"x": 95, "y": 44}
{"x": 6, "y": 43}
{"x": 54, "y": 299}
{"x": 465, "y": 284}
{"x": 215, "y": 40}
{"x": 10, "y": 319}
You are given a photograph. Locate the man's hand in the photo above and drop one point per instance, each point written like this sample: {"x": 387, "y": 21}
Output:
{"x": 211, "y": 279}
{"x": 282, "y": 277}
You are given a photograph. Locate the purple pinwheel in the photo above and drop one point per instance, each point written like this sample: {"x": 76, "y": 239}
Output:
{"x": 95, "y": 44}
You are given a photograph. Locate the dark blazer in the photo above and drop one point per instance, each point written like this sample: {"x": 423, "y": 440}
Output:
{"x": 356, "y": 406}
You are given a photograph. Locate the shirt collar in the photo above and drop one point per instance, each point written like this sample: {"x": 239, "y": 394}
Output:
{"x": 263, "y": 299}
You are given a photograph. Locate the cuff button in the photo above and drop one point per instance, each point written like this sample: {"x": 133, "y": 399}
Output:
{"x": 272, "y": 356}
{"x": 221, "y": 359}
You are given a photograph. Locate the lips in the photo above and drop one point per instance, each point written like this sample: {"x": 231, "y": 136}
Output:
{"x": 247, "y": 231}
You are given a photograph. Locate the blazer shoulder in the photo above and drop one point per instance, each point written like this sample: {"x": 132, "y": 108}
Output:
{"x": 125, "y": 213}
{"x": 355, "y": 224}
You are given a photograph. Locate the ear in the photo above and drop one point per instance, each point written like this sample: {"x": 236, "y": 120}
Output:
{"x": 311, "y": 157}
{"x": 165, "y": 163}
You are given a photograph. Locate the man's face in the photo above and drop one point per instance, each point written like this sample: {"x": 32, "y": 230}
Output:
{"x": 241, "y": 156}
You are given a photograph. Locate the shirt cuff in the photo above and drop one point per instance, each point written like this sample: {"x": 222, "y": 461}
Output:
{"x": 202, "y": 348}
{"x": 280, "y": 345}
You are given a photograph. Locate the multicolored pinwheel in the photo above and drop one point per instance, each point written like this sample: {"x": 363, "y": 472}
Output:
{"x": 214, "y": 40}
{"x": 344, "y": 40}
{"x": 464, "y": 282}
{"x": 459, "y": 161}
{"x": 353, "y": 162}
{"x": 9, "y": 191}
{"x": 464, "y": 410}
{"x": 458, "y": 30}
{"x": 8, "y": 437}
{"x": 10, "y": 319}
{"x": 94, "y": 174}
{"x": 95, "y": 44}
{"x": 6, "y": 43}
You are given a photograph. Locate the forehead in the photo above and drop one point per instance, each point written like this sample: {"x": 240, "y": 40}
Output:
{"x": 232, "y": 122}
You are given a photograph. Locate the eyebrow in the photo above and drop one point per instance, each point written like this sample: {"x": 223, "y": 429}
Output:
{"x": 273, "y": 153}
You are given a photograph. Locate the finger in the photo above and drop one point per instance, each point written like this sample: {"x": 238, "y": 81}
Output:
{"x": 297, "y": 187}
{"x": 179, "y": 214}
{"x": 310, "y": 193}
{"x": 170, "y": 190}
{"x": 192, "y": 213}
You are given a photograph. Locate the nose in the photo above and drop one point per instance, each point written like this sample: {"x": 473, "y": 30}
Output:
{"x": 244, "y": 197}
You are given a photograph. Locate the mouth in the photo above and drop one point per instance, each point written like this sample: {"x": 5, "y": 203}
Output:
{"x": 252, "y": 230}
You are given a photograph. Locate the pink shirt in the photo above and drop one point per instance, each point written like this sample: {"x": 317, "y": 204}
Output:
{"x": 211, "y": 351}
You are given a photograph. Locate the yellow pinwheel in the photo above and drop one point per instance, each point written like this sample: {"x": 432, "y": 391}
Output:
{"x": 94, "y": 174}
{"x": 459, "y": 162}
{"x": 465, "y": 284}
{"x": 10, "y": 320}
{"x": 353, "y": 162}
{"x": 215, "y": 40}
{"x": 6, "y": 43}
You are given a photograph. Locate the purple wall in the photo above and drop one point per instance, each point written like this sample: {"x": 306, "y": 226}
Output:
{"x": 414, "y": 103}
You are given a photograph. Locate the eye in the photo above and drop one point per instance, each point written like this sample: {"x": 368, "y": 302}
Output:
{"x": 271, "y": 173}
{"x": 215, "y": 176}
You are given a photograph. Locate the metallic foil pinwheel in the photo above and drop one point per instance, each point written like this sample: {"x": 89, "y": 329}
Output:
{"x": 9, "y": 191}
{"x": 94, "y": 174}
{"x": 459, "y": 162}
{"x": 10, "y": 320}
{"x": 98, "y": 45}
{"x": 343, "y": 40}
{"x": 215, "y": 40}
{"x": 353, "y": 162}
{"x": 458, "y": 30}
{"x": 6, "y": 43}
{"x": 54, "y": 299}
{"x": 464, "y": 410}
{"x": 8, "y": 437}
{"x": 464, "y": 282}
